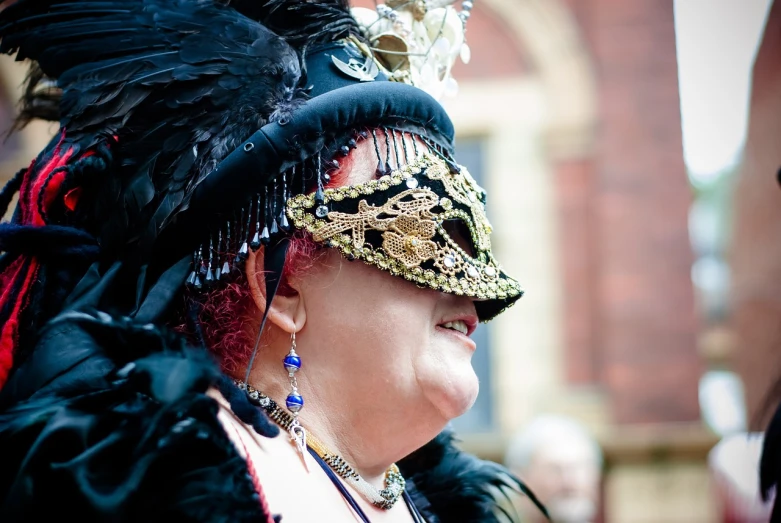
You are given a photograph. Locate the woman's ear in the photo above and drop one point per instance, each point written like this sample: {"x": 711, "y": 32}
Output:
{"x": 288, "y": 313}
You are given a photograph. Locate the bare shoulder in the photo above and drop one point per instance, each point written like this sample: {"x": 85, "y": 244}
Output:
{"x": 295, "y": 488}
{"x": 293, "y": 485}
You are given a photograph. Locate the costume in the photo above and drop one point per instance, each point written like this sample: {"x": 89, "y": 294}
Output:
{"x": 191, "y": 132}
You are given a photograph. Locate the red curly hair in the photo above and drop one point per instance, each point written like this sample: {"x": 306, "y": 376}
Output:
{"x": 228, "y": 319}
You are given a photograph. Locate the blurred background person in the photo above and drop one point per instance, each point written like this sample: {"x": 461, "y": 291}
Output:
{"x": 562, "y": 463}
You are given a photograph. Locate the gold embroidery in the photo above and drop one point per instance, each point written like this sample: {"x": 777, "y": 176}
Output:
{"x": 368, "y": 216}
{"x": 409, "y": 224}
{"x": 410, "y": 240}
{"x": 465, "y": 190}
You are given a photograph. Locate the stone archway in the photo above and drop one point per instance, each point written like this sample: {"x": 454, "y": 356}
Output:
{"x": 552, "y": 39}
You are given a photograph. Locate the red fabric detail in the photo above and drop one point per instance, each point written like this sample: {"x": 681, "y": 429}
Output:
{"x": 37, "y": 181}
{"x": 33, "y": 183}
{"x": 254, "y": 475}
{"x": 58, "y": 160}
{"x": 10, "y": 332}
{"x": 8, "y": 276}
{"x": 71, "y": 198}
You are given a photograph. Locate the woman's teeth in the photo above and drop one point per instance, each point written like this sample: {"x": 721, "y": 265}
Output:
{"x": 457, "y": 325}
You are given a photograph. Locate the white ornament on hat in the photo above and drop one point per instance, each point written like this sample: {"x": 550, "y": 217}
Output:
{"x": 418, "y": 41}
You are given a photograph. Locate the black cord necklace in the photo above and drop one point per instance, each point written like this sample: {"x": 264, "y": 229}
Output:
{"x": 416, "y": 516}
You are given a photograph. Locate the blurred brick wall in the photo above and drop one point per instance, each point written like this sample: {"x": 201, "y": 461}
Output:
{"x": 631, "y": 323}
{"x": 576, "y": 186}
{"x": 755, "y": 256}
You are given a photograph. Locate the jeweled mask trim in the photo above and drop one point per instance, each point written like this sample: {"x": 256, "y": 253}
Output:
{"x": 397, "y": 223}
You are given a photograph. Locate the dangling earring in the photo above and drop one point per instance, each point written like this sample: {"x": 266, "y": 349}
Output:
{"x": 294, "y": 400}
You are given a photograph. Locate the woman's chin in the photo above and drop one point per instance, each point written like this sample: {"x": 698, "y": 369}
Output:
{"x": 453, "y": 393}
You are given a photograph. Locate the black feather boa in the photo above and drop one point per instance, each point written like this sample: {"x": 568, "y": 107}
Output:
{"x": 88, "y": 429}
{"x": 458, "y": 487}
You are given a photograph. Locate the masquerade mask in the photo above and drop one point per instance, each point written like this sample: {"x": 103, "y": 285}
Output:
{"x": 400, "y": 223}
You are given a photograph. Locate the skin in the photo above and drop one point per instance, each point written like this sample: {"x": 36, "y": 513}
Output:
{"x": 380, "y": 375}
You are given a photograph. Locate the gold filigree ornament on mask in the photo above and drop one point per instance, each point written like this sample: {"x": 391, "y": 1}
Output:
{"x": 398, "y": 224}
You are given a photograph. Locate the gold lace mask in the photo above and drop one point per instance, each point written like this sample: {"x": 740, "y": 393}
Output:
{"x": 399, "y": 223}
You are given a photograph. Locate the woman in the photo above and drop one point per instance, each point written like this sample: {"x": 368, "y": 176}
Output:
{"x": 242, "y": 176}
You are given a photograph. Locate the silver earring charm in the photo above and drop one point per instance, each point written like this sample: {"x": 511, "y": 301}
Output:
{"x": 294, "y": 401}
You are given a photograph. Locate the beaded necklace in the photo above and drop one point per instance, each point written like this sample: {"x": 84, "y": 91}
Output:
{"x": 383, "y": 498}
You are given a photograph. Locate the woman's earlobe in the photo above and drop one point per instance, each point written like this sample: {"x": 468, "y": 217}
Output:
{"x": 288, "y": 312}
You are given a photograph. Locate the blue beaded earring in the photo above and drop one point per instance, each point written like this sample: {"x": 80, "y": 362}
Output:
{"x": 294, "y": 400}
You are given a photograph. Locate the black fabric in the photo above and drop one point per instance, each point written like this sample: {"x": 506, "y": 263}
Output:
{"x": 141, "y": 443}
{"x": 322, "y": 76}
{"x": 48, "y": 242}
{"x": 420, "y": 501}
{"x": 417, "y": 516}
{"x": 157, "y": 301}
{"x": 275, "y": 147}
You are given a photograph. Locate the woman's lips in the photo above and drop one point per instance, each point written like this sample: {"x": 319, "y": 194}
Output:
{"x": 460, "y": 327}
{"x": 463, "y": 323}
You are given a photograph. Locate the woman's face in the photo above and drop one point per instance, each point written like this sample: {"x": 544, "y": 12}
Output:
{"x": 412, "y": 341}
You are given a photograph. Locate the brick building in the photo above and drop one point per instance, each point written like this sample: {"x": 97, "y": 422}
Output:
{"x": 755, "y": 255}
{"x": 569, "y": 115}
